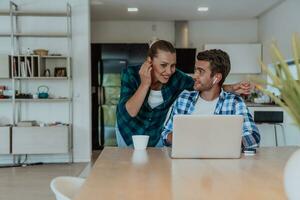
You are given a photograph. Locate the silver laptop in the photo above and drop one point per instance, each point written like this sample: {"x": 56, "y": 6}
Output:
{"x": 211, "y": 136}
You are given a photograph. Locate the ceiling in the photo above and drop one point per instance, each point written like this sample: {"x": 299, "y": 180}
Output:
{"x": 171, "y": 10}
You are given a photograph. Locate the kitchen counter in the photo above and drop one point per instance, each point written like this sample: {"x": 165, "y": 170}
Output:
{"x": 251, "y": 104}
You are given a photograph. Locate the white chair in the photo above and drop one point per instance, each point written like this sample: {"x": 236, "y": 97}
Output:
{"x": 65, "y": 187}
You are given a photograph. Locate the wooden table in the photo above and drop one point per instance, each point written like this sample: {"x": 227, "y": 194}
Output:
{"x": 151, "y": 174}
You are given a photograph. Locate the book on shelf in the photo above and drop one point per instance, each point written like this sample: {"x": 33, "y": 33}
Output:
{"x": 29, "y": 68}
{"x": 23, "y": 69}
{"x": 14, "y": 67}
{"x": 19, "y": 67}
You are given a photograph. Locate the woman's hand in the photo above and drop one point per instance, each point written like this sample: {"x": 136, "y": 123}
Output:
{"x": 243, "y": 87}
{"x": 134, "y": 104}
{"x": 145, "y": 73}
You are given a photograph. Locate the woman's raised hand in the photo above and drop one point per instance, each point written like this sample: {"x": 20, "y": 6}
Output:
{"x": 145, "y": 72}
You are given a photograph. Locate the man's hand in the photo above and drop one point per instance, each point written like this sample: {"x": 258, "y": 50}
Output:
{"x": 170, "y": 138}
{"x": 241, "y": 88}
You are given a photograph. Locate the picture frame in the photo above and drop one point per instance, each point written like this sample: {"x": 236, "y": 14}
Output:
{"x": 60, "y": 72}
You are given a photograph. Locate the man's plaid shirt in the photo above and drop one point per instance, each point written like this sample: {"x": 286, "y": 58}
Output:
{"x": 148, "y": 121}
{"x": 228, "y": 104}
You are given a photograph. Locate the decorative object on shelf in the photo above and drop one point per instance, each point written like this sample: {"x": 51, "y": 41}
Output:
{"x": 55, "y": 54}
{"x": 8, "y": 93}
{"x": 28, "y": 123}
{"x": 60, "y": 72}
{"x": 24, "y": 96}
{"x": 2, "y": 88}
{"x": 28, "y": 51}
{"x": 40, "y": 52}
{"x": 42, "y": 92}
{"x": 47, "y": 73}
{"x": 35, "y": 96}
{"x": 289, "y": 88}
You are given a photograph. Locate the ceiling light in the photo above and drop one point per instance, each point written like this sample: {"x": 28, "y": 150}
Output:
{"x": 132, "y": 9}
{"x": 203, "y": 9}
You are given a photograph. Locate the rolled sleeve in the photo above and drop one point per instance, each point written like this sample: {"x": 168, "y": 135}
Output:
{"x": 128, "y": 87}
{"x": 168, "y": 128}
{"x": 251, "y": 136}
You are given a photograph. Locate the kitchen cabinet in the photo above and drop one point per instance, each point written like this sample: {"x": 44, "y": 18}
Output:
{"x": 243, "y": 57}
{"x": 40, "y": 140}
{"x": 291, "y": 131}
{"x": 5, "y": 139}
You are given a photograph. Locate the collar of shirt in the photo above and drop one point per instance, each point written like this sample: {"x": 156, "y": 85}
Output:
{"x": 196, "y": 94}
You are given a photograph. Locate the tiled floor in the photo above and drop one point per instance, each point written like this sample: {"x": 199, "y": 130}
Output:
{"x": 33, "y": 182}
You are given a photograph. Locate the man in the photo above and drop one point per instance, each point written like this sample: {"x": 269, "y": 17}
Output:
{"x": 208, "y": 97}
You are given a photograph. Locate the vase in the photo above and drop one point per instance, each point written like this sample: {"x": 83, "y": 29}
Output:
{"x": 292, "y": 176}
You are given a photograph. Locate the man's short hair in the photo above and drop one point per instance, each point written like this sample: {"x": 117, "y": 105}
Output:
{"x": 219, "y": 62}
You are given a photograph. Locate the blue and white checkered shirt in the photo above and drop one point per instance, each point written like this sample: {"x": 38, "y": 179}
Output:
{"x": 228, "y": 104}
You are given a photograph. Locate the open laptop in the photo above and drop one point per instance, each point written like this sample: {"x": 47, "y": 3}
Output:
{"x": 209, "y": 136}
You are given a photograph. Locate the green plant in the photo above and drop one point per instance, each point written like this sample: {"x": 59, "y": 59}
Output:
{"x": 284, "y": 81}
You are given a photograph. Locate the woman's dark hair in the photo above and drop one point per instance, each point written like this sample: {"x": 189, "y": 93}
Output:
{"x": 160, "y": 45}
{"x": 219, "y": 62}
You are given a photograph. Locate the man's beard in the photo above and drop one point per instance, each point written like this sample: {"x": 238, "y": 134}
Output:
{"x": 202, "y": 88}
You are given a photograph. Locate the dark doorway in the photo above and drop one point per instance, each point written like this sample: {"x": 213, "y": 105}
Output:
{"x": 107, "y": 62}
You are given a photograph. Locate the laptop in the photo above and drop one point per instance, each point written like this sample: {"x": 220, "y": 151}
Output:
{"x": 207, "y": 136}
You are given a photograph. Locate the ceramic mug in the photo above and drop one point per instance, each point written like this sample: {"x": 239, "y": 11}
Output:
{"x": 140, "y": 142}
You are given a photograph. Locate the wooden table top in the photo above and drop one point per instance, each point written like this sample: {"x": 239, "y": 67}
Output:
{"x": 127, "y": 174}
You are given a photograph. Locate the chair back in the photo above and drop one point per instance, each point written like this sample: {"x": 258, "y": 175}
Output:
{"x": 65, "y": 188}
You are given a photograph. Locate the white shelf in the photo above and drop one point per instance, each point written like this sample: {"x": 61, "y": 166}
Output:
{"x": 41, "y": 34}
{"x": 55, "y": 35}
{"x": 23, "y": 55}
{"x": 37, "y": 100}
{"x": 4, "y": 35}
{"x": 37, "y": 78}
{"x": 4, "y": 12}
{"x": 44, "y": 100}
{"x": 48, "y": 56}
{"x": 35, "y": 14}
{"x": 5, "y": 100}
{"x": 54, "y": 57}
{"x": 41, "y": 78}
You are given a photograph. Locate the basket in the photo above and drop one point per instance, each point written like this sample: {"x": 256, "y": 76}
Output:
{"x": 40, "y": 52}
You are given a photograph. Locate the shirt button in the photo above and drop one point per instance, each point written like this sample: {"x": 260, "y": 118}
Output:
{"x": 150, "y": 119}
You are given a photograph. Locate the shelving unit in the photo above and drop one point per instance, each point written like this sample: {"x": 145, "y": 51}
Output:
{"x": 41, "y": 78}
{"x": 49, "y": 100}
{"x": 34, "y": 13}
{"x": 48, "y": 139}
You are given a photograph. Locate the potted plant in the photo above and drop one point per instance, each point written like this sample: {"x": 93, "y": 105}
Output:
{"x": 289, "y": 89}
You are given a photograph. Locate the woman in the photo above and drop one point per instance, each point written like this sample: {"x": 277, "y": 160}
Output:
{"x": 147, "y": 93}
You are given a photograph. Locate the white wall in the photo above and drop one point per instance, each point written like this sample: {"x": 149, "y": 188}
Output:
{"x": 223, "y": 32}
{"x": 80, "y": 69}
{"x": 217, "y": 31}
{"x": 131, "y": 31}
{"x": 200, "y": 33}
{"x": 279, "y": 24}
{"x": 82, "y": 80}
